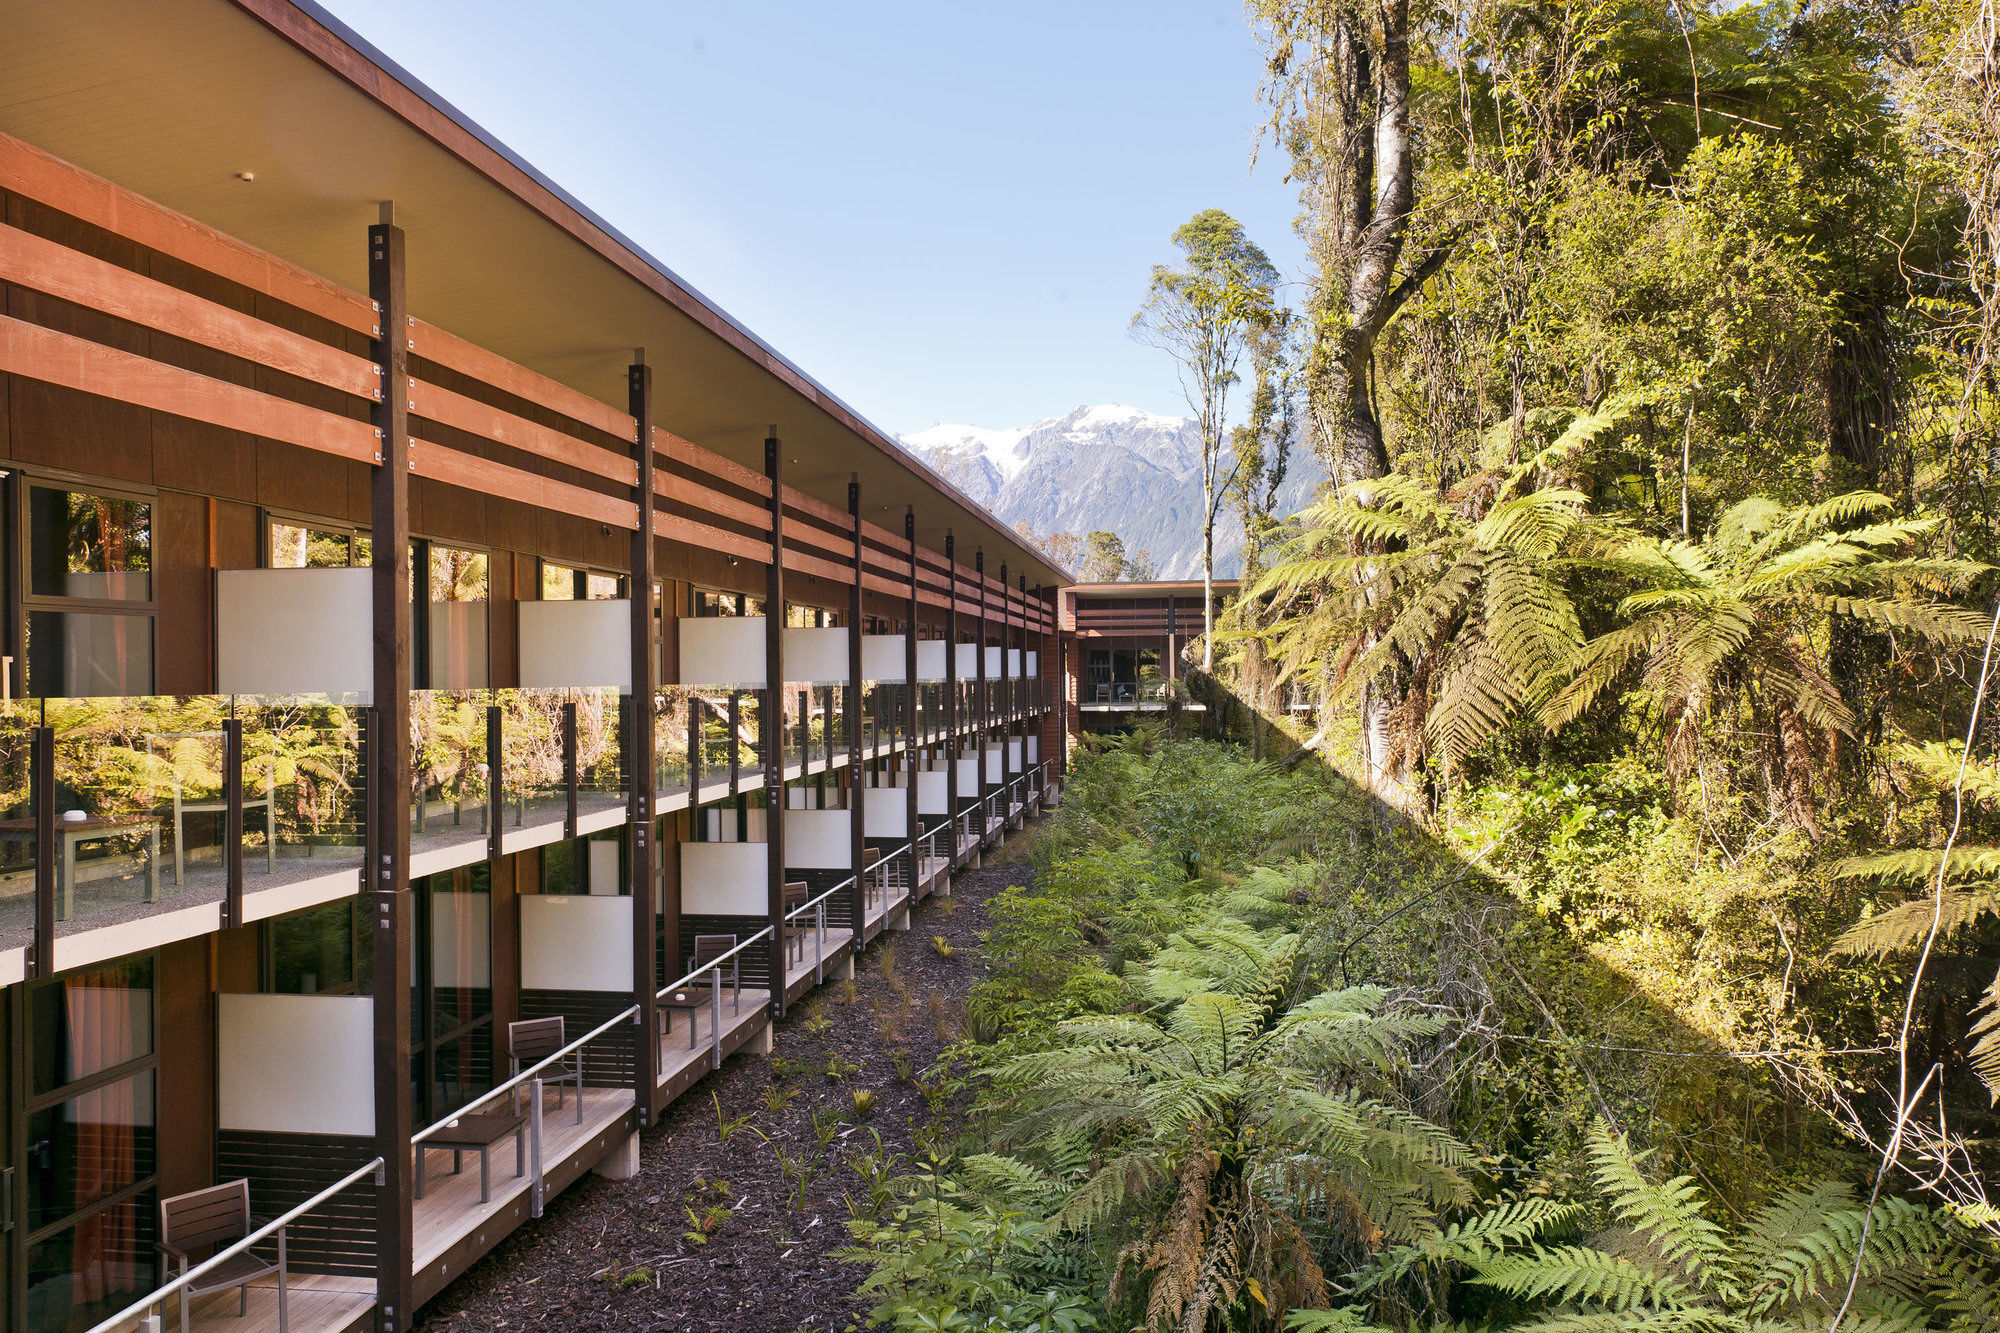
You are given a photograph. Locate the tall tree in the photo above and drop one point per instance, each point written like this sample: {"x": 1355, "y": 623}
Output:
{"x": 1204, "y": 314}
{"x": 1066, "y": 549}
{"x": 1263, "y": 451}
{"x": 1340, "y": 97}
{"x": 1103, "y": 557}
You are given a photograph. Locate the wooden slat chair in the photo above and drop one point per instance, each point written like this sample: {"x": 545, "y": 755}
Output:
{"x": 797, "y": 893}
{"x": 870, "y": 858}
{"x": 708, "y": 948}
{"x": 533, "y": 1040}
{"x": 215, "y": 1218}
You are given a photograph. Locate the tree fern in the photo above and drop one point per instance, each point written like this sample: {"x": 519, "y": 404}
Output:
{"x": 1784, "y": 1271}
{"x": 1732, "y": 622}
{"x": 1221, "y": 1114}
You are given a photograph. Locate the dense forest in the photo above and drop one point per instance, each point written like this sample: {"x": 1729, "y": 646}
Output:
{"x": 1615, "y": 947}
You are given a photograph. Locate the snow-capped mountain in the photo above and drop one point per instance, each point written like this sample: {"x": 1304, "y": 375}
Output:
{"x": 1114, "y": 467}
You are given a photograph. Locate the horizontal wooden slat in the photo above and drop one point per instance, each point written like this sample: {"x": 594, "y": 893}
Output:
{"x": 813, "y": 507}
{"x": 681, "y": 490}
{"x": 27, "y": 170}
{"x": 475, "y": 362}
{"x": 715, "y": 465}
{"x": 812, "y": 564}
{"x": 439, "y": 462}
{"x": 76, "y": 363}
{"x": 675, "y": 528}
{"x": 503, "y": 427}
{"x": 805, "y": 534}
{"x": 85, "y": 280}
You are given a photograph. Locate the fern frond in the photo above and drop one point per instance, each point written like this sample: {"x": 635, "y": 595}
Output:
{"x": 1667, "y": 1213}
{"x": 1579, "y": 1273}
{"x": 1906, "y": 925}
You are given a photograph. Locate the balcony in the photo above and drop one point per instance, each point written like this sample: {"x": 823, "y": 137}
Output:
{"x": 1134, "y": 696}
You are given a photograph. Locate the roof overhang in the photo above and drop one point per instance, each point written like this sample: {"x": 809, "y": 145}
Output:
{"x": 173, "y": 98}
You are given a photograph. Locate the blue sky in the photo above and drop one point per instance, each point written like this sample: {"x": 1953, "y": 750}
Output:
{"x": 943, "y": 210}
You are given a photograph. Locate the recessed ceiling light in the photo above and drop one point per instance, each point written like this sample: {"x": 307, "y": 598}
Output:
{"x": 246, "y": 176}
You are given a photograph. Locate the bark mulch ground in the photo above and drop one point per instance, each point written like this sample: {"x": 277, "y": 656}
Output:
{"x": 731, "y": 1225}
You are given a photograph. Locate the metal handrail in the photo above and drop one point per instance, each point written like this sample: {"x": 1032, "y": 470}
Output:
{"x": 528, "y": 1075}
{"x": 712, "y": 963}
{"x": 122, "y": 1320}
{"x": 807, "y": 907}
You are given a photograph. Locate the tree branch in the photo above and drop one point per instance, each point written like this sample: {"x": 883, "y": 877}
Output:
{"x": 1425, "y": 270}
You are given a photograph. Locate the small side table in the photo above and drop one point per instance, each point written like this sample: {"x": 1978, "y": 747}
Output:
{"x": 72, "y": 833}
{"x": 689, "y": 1001}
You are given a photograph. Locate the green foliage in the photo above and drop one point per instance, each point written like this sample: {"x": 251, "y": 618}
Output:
{"x": 1786, "y": 1267}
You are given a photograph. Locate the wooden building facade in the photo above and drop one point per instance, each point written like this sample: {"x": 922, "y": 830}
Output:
{"x": 421, "y": 614}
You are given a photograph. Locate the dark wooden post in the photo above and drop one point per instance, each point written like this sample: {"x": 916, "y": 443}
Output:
{"x": 913, "y": 740}
{"x": 1004, "y": 711}
{"x": 571, "y": 777}
{"x": 388, "y": 880}
{"x": 734, "y": 721}
{"x": 774, "y": 713}
{"x": 644, "y": 773}
{"x": 496, "y": 794}
{"x": 952, "y": 738}
{"x": 232, "y": 821}
{"x": 985, "y": 699}
{"x": 42, "y": 797}
{"x": 857, "y": 785}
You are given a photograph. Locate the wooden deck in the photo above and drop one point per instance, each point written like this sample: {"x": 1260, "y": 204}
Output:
{"x": 314, "y": 1303}
{"x": 801, "y": 968}
{"x": 451, "y": 1228}
{"x": 744, "y": 1017}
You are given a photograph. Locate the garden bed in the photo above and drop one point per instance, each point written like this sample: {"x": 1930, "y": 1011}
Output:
{"x": 758, "y": 1160}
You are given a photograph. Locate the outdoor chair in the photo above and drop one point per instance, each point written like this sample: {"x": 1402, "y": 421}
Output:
{"x": 534, "y": 1040}
{"x": 161, "y": 744}
{"x": 214, "y": 1218}
{"x": 708, "y": 948}
{"x": 796, "y": 894}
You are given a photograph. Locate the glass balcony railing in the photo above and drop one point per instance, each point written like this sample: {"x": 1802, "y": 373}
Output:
{"x": 117, "y": 808}
{"x": 1127, "y": 693}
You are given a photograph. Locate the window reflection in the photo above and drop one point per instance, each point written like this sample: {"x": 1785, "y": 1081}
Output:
{"x": 458, "y": 592}
{"x": 95, "y": 546}
{"x": 299, "y": 546}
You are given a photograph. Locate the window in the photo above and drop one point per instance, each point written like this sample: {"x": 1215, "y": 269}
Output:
{"x": 451, "y": 996}
{"x": 92, "y": 1143}
{"x": 302, "y": 543}
{"x": 590, "y": 865}
{"x": 708, "y": 603}
{"x": 808, "y": 617}
{"x": 560, "y": 583}
{"x": 320, "y": 951}
{"x": 89, "y": 594}
{"x": 455, "y": 623}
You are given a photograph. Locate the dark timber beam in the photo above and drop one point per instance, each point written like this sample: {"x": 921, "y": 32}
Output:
{"x": 985, "y": 700}
{"x": 910, "y": 688}
{"x": 952, "y": 739}
{"x": 644, "y": 772}
{"x": 857, "y": 784}
{"x": 773, "y": 722}
{"x": 388, "y": 876}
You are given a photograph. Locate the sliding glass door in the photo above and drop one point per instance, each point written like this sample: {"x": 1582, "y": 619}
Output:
{"x": 84, "y": 1116}
{"x": 451, "y": 999}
